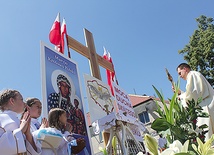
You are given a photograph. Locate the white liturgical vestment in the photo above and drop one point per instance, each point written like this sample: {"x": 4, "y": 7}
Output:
{"x": 198, "y": 87}
{"x": 12, "y": 141}
{"x": 61, "y": 149}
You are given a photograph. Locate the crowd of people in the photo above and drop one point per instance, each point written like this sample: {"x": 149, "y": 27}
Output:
{"x": 23, "y": 135}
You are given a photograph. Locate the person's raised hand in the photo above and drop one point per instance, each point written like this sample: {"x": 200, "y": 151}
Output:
{"x": 173, "y": 89}
{"x": 44, "y": 123}
{"x": 68, "y": 127}
{"x": 24, "y": 124}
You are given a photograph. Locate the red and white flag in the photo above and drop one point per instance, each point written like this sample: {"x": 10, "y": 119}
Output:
{"x": 63, "y": 33}
{"x": 110, "y": 75}
{"x": 105, "y": 55}
{"x": 55, "y": 32}
{"x": 110, "y": 60}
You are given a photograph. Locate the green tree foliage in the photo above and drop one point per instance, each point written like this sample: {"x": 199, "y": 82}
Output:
{"x": 199, "y": 53}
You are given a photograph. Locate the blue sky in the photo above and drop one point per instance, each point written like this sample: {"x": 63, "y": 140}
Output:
{"x": 142, "y": 36}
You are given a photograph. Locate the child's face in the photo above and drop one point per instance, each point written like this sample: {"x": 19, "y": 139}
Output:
{"x": 36, "y": 109}
{"x": 18, "y": 103}
{"x": 63, "y": 118}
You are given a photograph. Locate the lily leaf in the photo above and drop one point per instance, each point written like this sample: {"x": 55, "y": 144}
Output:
{"x": 159, "y": 94}
{"x": 160, "y": 124}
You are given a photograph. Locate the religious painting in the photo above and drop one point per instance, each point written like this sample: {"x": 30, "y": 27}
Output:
{"x": 61, "y": 89}
{"x": 100, "y": 100}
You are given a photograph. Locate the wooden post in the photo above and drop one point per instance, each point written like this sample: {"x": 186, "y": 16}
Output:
{"x": 95, "y": 71}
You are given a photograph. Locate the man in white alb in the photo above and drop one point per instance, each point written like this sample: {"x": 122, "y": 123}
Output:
{"x": 198, "y": 87}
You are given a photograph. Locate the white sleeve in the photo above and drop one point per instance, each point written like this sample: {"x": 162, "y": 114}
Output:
{"x": 64, "y": 142}
{"x": 12, "y": 142}
{"x": 196, "y": 87}
{"x": 30, "y": 149}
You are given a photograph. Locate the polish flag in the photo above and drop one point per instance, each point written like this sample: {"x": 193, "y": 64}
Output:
{"x": 113, "y": 74}
{"x": 105, "y": 55}
{"x": 55, "y": 34}
{"x": 110, "y": 60}
{"x": 108, "y": 72}
{"x": 63, "y": 33}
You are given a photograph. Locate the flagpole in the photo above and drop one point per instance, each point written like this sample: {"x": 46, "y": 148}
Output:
{"x": 116, "y": 79}
{"x": 69, "y": 54}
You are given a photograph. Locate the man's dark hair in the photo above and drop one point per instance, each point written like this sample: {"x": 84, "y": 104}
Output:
{"x": 182, "y": 65}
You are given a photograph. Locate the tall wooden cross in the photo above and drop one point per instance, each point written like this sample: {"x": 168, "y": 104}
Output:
{"x": 95, "y": 60}
{"x": 89, "y": 52}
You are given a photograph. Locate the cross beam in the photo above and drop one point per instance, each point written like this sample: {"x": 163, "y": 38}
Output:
{"x": 89, "y": 52}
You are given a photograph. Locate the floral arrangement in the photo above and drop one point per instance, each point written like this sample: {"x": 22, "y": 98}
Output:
{"x": 179, "y": 126}
{"x": 179, "y": 123}
{"x": 177, "y": 148}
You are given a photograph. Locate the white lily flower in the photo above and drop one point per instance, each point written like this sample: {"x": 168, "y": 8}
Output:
{"x": 198, "y": 131}
{"x": 185, "y": 147}
{"x": 168, "y": 151}
{"x": 176, "y": 147}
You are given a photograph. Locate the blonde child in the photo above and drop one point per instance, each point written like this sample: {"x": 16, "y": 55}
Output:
{"x": 58, "y": 126}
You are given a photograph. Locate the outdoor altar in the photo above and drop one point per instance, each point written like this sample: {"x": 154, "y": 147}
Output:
{"x": 114, "y": 116}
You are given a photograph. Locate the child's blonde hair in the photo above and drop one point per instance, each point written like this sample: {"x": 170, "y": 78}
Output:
{"x": 53, "y": 118}
{"x": 5, "y": 96}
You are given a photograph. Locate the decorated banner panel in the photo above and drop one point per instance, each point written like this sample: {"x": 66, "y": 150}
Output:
{"x": 109, "y": 121}
{"x": 100, "y": 100}
{"x": 125, "y": 112}
{"x": 61, "y": 89}
{"x": 123, "y": 103}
